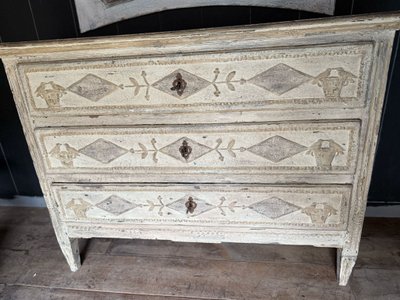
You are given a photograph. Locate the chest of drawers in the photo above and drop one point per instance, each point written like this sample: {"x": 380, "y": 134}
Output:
{"x": 259, "y": 134}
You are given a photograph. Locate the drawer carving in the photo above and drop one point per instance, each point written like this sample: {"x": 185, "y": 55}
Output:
{"x": 297, "y": 147}
{"x": 315, "y": 206}
{"x": 328, "y": 76}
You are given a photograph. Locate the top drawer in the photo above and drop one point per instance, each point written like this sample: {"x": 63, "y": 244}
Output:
{"x": 312, "y": 77}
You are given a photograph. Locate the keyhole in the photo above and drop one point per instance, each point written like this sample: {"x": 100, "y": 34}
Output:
{"x": 190, "y": 205}
{"x": 185, "y": 150}
{"x": 179, "y": 84}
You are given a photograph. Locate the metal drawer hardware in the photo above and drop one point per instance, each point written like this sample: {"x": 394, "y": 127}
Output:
{"x": 185, "y": 150}
{"x": 190, "y": 205}
{"x": 179, "y": 84}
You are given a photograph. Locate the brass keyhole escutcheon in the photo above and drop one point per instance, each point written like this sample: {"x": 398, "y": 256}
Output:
{"x": 185, "y": 150}
{"x": 190, "y": 205}
{"x": 179, "y": 84}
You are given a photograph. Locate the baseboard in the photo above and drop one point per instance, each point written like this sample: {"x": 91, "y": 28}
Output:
{"x": 25, "y": 201}
{"x": 387, "y": 211}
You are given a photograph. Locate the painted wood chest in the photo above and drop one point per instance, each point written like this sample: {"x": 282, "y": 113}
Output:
{"x": 255, "y": 134}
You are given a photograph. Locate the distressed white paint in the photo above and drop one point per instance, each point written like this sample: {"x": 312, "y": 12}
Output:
{"x": 344, "y": 133}
{"x": 97, "y": 13}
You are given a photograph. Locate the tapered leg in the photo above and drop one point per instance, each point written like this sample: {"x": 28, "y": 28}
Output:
{"x": 70, "y": 249}
{"x": 345, "y": 266}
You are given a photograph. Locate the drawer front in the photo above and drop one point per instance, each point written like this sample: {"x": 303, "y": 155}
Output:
{"x": 243, "y": 206}
{"x": 304, "y": 77}
{"x": 297, "y": 148}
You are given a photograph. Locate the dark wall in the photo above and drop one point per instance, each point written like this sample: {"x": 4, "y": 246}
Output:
{"x": 25, "y": 20}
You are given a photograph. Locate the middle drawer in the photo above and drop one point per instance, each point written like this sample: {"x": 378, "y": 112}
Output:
{"x": 295, "y": 148}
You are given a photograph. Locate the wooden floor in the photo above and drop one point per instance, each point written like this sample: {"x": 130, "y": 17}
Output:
{"x": 32, "y": 266}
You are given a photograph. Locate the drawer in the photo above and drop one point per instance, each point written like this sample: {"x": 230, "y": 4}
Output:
{"x": 295, "y": 148}
{"x": 319, "y": 207}
{"x": 307, "y": 77}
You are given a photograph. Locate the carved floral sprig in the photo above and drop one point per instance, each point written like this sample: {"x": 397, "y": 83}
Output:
{"x": 219, "y": 142}
{"x": 229, "y": 81}
{"x": 231, "y": 206}
{"x": 230, "y": 149}
{"x": 144, "y": 151}
{"x": 138, "y": 86}
{"x": 216, "y": 74}
{"x": 153, "y": 205}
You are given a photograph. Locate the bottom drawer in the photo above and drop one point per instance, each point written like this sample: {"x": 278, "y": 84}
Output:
{"x": 250, "y": 206}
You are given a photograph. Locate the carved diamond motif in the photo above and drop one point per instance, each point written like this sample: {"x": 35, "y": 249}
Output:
{"x": 180, "y": 206}
{"x": 196, "y": 149}
{"x": 280, "y": 79}
{"x": 274, "y": 207}
{"x": 193, "y": 84}
{"x": 92, "y": 87}
{"x": 103, "y": 151}
{"x": 116, "y": 205}
{"x": 277, "y": 148}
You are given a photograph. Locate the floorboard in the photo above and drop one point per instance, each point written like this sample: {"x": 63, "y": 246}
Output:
{"x": 32, "y": 266}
